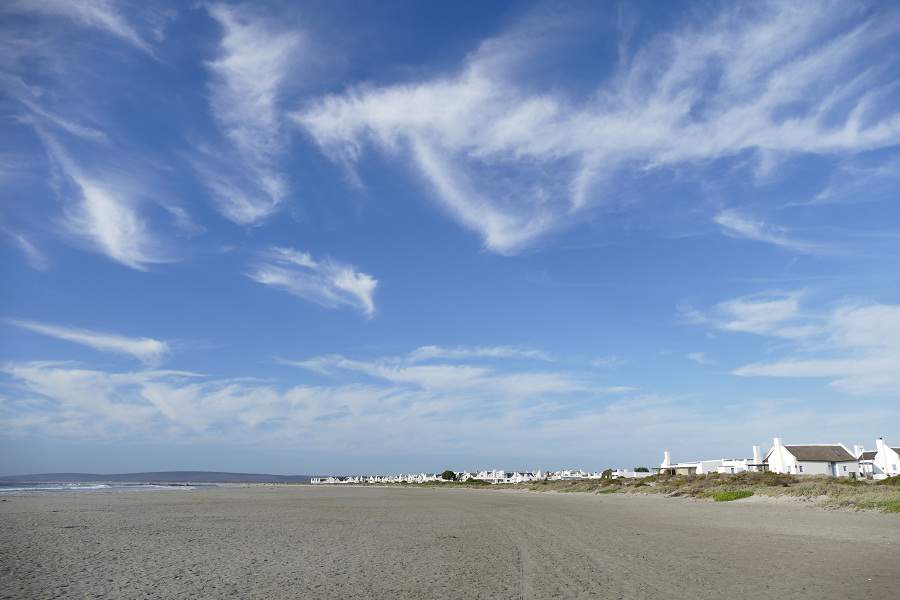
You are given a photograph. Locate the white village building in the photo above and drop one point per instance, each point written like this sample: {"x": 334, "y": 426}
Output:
{"x": 866, "y": 459}
{"x": 812, "y": 459}
{"x": 698, "y": 467}
{"x": 880, "y": 463}
{"x": 521, "y": 477}
{"x": 568, "y": 474}
{"x": 742, "y": 465}
{"x": 491, "y": 476}
{"x": 630, "y": 474}
{"x": 887, "y": 459}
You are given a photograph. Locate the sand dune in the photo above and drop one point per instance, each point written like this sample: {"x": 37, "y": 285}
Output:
{"x": 321, "y": 542}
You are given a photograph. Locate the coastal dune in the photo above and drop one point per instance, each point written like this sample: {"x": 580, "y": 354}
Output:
{"x": 358, "y": 542}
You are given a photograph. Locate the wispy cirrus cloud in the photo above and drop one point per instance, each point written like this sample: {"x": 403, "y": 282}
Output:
{"x": 34, "y": 255}
{"x": 471, "y": 369}
{"x": 737, "y": 225}
{"x": 854, "y": 344}
{"x": 255, "y": 56}
{"x": 95, "y": 14}
{"x": 77, "y": 402}
{"x": 700, "y": 358}
{"x": 608, "y": 362}
{"x": 103, "y": 214}
{"x": 773, "y": 313}
{"x": 25, "y": 95}
{"x": 858, "y": 183}
{"x": 862, "y": 356}
{"x": 148, "y": 350}
{"x": 469, "y": 352}
{"x": 326, "y": 282}
{"x": 71, "y": 401}
{"x": 514, "y": 164}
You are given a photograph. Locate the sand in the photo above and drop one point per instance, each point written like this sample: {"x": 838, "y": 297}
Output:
{"x": 327, "y": 542}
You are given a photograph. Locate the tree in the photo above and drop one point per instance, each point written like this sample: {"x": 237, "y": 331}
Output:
{"x": 448, "y": 475}
{"x": 607, "y": 474}
{"x": 641, "y": 470}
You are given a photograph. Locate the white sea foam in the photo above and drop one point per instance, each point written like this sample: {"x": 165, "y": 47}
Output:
{"x": 85, "y": 487}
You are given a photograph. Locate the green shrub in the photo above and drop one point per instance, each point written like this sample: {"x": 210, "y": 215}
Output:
{"x": 473, "y": 482}
{"x": 895, "y": 480}
{"x": 728, "y": 496}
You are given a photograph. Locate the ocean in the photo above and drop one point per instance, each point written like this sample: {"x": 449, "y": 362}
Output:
{"x": 10, "y": 487}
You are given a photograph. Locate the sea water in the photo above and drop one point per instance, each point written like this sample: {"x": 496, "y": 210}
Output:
{"x": 29, "y": 487}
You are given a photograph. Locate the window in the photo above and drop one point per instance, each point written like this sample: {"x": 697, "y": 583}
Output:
{"x": 845, "y": 468}
{"x": 801, "y": 468}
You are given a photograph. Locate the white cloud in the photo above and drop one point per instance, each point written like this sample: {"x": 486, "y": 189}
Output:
{"x": 67, "y": 125}
{"x": 67, "y": 400}
{"x": 35, "y": 257}
{"x": 758, "y": 314}
{"x": 469, "y": 352}
{"x": 700, "y": 358}
{"x": 512, "y": 163}
{"x": 471, "y": 372}
{"x": 770, "y": 313}
{"x": 608, "y": 362}
{"x": 858, "y": 183}
{"x": 254, "y": 59}
{"x": 864, "y": 342}
{"x": 736, "y": 225}
{"x": 147, "y": 350}
{"x": 325, "y": 282}
{"x": 382, "y": 421}
{"x": 854, "y": 345}
{"x": 103, "y": 214}
{"x": 95, "y": 14}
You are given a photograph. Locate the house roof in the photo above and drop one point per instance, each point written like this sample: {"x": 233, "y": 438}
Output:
{"x": 821, "y": 453}
{"x": 897, "y": 450}
{"x": 868, "y": 455}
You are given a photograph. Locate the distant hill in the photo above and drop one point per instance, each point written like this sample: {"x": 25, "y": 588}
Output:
{"x": 156, "y": 477}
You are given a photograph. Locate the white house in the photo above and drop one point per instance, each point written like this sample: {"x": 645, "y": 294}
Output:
{"x": 812, "y": 459}
{"x": 866, "y": 459}
{"x": 698, "y": 467}
{"x": 568, "y": 474}
{"x": 492, "y": 476}
{"x": 733, "y": 465}
{"x": 886, "y": 461}
{"x": 630, "y": 474}
{"x": 741, "y": 465}
{"x": 520, "y": 477}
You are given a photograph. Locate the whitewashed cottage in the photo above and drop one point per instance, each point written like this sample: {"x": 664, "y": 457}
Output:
{"x": 697, "y": 467}
{"x": 885, "y": 461}
{"x": 812, "y": 459}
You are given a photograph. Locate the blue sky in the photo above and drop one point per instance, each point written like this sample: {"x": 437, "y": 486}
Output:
{"x": 336, "y": 237}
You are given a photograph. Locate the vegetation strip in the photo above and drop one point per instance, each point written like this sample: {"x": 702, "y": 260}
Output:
{"x": 828, "y": 492}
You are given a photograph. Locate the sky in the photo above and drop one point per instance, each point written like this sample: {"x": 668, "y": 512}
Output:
{"x": 322, "y": 237}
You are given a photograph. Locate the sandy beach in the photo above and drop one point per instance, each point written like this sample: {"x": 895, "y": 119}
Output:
{"x": 325, "y": 542}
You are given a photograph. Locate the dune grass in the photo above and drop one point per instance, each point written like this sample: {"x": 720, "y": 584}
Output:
{"x": 728, "y": 496}
{"x": 828, "y": 492}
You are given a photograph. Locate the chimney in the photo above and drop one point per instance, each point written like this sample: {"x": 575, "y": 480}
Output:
{"x": 776, "y": 443}
{"x": 879, "y": 445}
{"x": 858, "y": 450}
{"x": 757, "y": 457}
{"x": 667, "y": 460}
